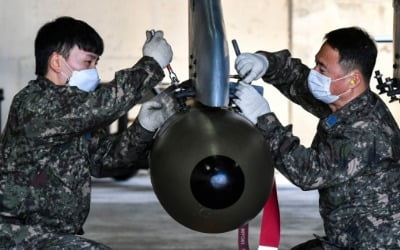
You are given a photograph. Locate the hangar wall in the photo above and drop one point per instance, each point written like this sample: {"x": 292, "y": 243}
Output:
{"x": 264, "y": 24}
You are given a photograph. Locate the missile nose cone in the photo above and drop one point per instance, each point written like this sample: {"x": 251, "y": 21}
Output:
{"x": 211, "y": 169}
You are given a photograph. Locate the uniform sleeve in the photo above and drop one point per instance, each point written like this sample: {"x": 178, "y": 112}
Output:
{"x": 289, "y": 75}
{"x": 62, "y": 112}
{"x": 126, "y": 150}
{"x": 336, "y": 160}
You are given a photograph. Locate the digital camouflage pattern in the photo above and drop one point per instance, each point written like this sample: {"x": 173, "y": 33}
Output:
{"x": 59, "y": 241}
{"x": 353, "y": 161}
{"x": 53, "y": 142}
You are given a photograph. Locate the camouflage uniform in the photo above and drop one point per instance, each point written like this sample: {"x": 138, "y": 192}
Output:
{"x": 354, "y": 160}
{"x": 50, "y": 148}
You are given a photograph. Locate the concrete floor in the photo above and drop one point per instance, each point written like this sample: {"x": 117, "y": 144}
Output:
{"x": 127, "y": 215}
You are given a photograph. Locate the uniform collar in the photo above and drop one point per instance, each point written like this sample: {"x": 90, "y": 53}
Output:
{"x": 44, "y": 83}
{"x": 349, "y": 111}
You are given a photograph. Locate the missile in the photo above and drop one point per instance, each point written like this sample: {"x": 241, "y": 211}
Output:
{"x": 210, "y": 167}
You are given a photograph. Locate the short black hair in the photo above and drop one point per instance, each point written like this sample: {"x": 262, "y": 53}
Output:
{"x": 60, "y": 36}
{"x": 357, "y": 50}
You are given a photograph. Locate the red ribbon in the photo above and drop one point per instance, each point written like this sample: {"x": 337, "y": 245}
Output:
{"x": 270, "y": 234}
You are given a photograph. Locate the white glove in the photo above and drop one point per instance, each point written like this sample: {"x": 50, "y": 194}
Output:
{"x": 158, "y": 48}
{"x": 156, "y": 111}
{"x": 250, "y": 102}
{"x": 251, "y": 66}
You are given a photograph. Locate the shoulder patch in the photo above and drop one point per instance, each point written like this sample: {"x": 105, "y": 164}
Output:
{"x": 332, "y": 119}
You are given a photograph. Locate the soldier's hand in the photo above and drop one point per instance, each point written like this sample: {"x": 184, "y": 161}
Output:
{"x": 157, "y": 47}
{"x": 251, "y": 66}
{"x": 250, "y": 102}
{"x": 155, "y": 112}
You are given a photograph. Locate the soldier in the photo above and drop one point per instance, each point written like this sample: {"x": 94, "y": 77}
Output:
{"x": 354, "y": 158}
{"x": 54, "y": 139}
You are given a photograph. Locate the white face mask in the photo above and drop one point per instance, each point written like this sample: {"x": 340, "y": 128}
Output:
{"x": 320, "y": 85}
{"x": 86, "y": 80}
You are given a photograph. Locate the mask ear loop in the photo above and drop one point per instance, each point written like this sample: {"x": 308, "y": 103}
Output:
{"x": 351, "y": 83}
{"x": 66, "y": 77}
{"x": 69, "y": 68}
{"x": 345, "y": 92}
{"x": 343, "y": 77}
